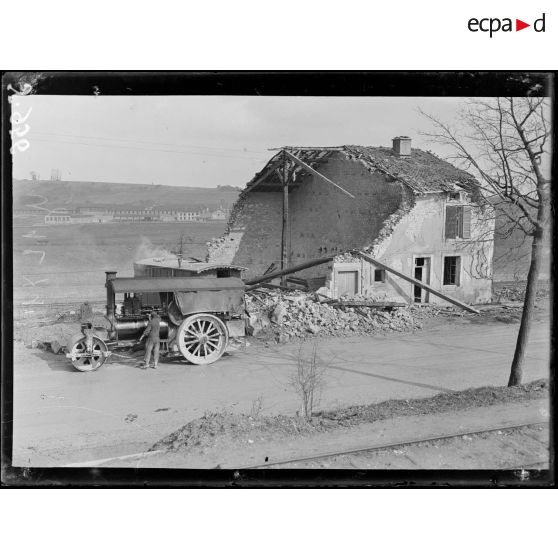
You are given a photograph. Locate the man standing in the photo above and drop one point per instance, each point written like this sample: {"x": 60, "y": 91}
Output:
{"x": 152, "y": 344}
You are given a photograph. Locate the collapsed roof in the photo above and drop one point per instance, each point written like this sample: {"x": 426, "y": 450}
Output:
{"x": 422, "y": 171}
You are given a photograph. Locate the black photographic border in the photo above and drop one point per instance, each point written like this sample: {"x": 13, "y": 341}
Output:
{"x": 414, "y": 83}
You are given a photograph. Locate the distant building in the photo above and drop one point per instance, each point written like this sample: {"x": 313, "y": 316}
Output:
{"x": 57, "y": 219}
{"x": 135, "y": 214}
{"x": 87, "y": 218}
{"x": 172, "y": 214}
{"x": 104, "y": 214}
{"x": 219, "y": 215}
{"x": 97, "y": 209}
{"x": 27, "y": 212}
{"x": 70, "y": 217}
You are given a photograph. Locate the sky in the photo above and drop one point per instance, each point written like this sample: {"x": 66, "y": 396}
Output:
{"x": 203, "y": 141}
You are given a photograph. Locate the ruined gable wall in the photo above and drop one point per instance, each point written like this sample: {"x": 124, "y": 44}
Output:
{"x": 253, "y": 237}
{"x": 324, "y": 221}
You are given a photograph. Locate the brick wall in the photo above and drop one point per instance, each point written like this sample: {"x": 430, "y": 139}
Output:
{"x": 322, "y": 220}
{"x": 253, "y": 239}
{"x": 325, "y": 221}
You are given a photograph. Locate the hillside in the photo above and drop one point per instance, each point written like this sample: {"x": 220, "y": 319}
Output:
{"x": 75, "y": 194}
{"x": 68, "y": 262}
{"x": 511, "y": 254}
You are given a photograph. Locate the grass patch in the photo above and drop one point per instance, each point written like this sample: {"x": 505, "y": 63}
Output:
{"x": 216, "y": 427}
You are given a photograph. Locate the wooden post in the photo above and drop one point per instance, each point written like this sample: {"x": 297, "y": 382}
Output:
{"x": 285, "y": 229}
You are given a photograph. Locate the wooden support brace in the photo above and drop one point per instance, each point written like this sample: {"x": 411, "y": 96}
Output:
{"x": 316, "y": 173}
{"x": 297, "y": 281}
{"x": 415, "y": 282}
{"x": 289, "y": 270}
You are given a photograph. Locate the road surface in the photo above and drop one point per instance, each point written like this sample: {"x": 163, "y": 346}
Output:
{"x": 62, "y": 416}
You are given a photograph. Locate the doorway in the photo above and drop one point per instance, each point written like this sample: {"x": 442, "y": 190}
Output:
{"x": 347, "y": 283}
{"x": 421, "y": 273}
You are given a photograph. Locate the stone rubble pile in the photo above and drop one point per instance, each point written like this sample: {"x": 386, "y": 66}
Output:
{"x": 287, "y": 316}
{"x": 54, "y": 336}
{"x": 516, "y": 293}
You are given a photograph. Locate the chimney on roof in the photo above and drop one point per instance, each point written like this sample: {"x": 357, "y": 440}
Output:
{"x": 402, "y": 146}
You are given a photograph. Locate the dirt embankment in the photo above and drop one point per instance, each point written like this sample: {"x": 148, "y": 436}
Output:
{"x": 225, "y": 429}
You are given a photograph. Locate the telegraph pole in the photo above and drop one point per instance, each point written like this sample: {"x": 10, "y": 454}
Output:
{"x": 285, "y": 229}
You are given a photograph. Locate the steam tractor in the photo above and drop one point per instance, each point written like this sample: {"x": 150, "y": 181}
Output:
{"x": 198, "y": 317}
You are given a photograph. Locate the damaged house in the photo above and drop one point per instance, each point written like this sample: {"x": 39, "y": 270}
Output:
{"x": 406, "y": 208}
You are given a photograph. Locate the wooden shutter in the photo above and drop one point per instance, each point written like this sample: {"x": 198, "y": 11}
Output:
{"x": 466, "y": 222}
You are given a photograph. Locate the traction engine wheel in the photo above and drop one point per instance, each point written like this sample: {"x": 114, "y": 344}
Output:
{"x": 202, "y": 338}
{"x": 84, "y": 360}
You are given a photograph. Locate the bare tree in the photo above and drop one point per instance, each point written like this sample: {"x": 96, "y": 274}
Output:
{"x": 504, "y": 142}
{"x": 308, "y": 378}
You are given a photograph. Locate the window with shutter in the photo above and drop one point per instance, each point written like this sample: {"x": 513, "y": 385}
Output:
{"x": 466, "y": 222}
{"x": 458, "y": 221}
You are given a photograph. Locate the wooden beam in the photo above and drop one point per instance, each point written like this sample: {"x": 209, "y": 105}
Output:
{"x": 300, "y": 148}
{"x": 297, "y": 281}
{"x": 285, "y": 229}
{"x": 415, "y": 282}
{"x": 271, "y": 286}
{"x": 289, "y": 270}
{"x": 271, "y": 268}
{"x": 264, "y": 187}
{"x": 371, "y": 304}
{"x": 265, "y": 174}
{"x": 315, "y": 172}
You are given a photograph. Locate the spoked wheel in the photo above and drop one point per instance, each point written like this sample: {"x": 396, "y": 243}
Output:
{"x": 84, "y": 360}
{"x": 202, "y": 338}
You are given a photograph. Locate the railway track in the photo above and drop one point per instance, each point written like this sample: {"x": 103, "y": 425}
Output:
{"x": 316, "y": 458}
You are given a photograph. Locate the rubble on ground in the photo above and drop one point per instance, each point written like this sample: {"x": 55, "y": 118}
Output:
{"x": 54, "y": 335}
{"x": 516, "y": 293}
{"x": 43, "y": 337}
{"x": 297, "y": 314}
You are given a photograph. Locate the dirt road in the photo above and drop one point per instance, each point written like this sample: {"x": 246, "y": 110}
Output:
{"x": 61, "y": 416}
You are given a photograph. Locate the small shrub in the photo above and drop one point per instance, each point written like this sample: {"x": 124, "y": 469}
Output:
{"x": 257, "y": 406}
{"x": 308, "y": 378}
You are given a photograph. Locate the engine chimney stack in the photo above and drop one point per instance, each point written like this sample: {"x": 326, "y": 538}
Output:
{"x": 110, "y": 293}
{"x": 402, "y": 146}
